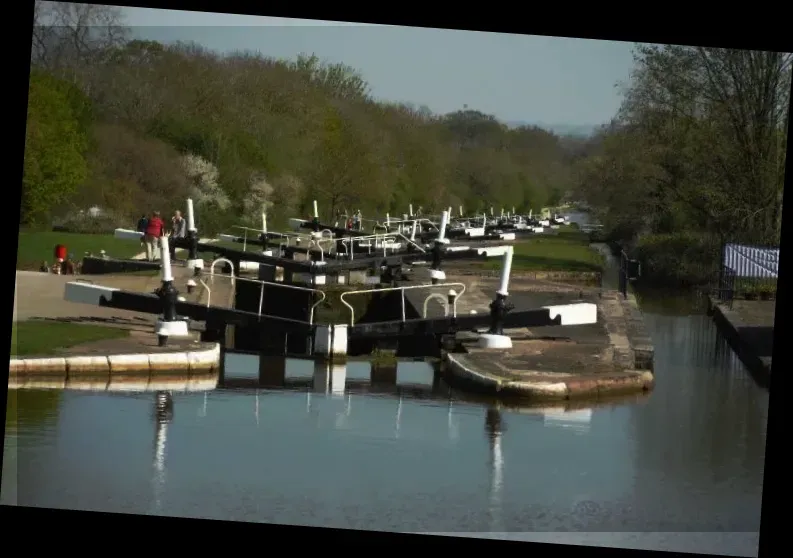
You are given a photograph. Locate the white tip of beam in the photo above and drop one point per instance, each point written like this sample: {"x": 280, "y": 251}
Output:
{"x": 575, "y": 314}
{"x": 227, "y": 237}
{"x": 86, "y": 293}
{"x": 126, "y": 234}
{"x": 493, "y": 251}
{"x": 295, "y": 224}
{"x": 249, "y": 266}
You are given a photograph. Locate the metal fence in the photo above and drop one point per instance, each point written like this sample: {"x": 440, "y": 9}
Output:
{"x": 747, "y": 271}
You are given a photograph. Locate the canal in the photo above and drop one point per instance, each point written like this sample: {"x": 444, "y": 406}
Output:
{"x": 417, "y": 458}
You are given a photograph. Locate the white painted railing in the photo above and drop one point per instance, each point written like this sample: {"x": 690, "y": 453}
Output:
{"x": 402, "y": 292}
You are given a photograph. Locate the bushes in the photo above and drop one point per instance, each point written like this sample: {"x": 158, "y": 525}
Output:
{"x": 680, "y": 258}
{"x": 85, "y": 223}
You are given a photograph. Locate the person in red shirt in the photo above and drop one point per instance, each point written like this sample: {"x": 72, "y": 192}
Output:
{"x": 155, "y": 229}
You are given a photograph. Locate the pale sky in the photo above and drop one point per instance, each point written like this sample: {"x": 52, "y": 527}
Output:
{"x": 546, "y": 80}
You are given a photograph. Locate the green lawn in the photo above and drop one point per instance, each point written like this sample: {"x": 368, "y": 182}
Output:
{"x": 567, "y": 251}
{"x": 37, "y": 247}
{"x": 43, "y": 338}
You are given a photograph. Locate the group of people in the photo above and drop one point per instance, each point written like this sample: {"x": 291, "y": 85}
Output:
{"x": 153, "y": 229}
{"x": 352, "y": 223}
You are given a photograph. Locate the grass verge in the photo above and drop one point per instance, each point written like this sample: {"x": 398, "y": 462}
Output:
{"x": 37, "y": 247}
{"x": 45, "y": 338}
{"x": 566, "y": 251}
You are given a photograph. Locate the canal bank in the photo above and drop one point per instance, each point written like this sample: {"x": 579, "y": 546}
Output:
{"x": 612, "y": 356}
{"x": 748, "y": 327}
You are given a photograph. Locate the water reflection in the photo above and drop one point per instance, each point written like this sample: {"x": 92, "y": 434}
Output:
{"x": 395, "y": 448}
{"x": 144, "y": 382}
{"x": 494, "y": 428}
{"x": 163, "y": 415}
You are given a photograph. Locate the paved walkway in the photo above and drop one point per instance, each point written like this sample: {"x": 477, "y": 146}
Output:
{"x": 39, "y": 296}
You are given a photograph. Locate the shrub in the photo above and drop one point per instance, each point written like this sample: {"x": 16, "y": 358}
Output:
{"x": 680, "y": 258}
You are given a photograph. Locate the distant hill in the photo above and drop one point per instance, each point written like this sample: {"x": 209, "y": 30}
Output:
{"x": 580, "y": 130}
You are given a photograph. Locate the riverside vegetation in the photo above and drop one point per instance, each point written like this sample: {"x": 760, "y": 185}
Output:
{"x": 694, "y": 156}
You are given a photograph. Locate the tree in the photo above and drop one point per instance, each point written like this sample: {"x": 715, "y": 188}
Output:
{"x": 68, "y": 36}
{"x": 716, "y": 117}
{"x": 55, "y": 145}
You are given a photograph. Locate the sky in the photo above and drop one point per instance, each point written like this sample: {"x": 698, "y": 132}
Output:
{"x": 517, "y": 78}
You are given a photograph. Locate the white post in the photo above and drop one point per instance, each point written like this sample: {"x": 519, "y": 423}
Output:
{"x": 506, "y": 268}
{"x": 444, "y": 221}
{"x": 413, "y": 232}
{"x": 387, "y": 219}
{"x": 264, "y": 222}
{"x": 461, "y": 211}
{"x": 410, "y": 209}
{"x": 491, "y": 210}
{"x": 513, "y": 210}
{"x": 502, "y": 212}
{"x": 165, "y": 254}
{"x": 190, "y": 216}
{"x": 450, "y": 211}
{"x": 316, "y": 211}
{"x": 530, "y": 210}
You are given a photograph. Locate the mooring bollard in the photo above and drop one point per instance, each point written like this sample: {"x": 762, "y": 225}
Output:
{"x": 193, "y": 261}
{"x": 451, "y": 297}
{"x": 437, "y": 252}
{"x": 169, "y": 325}
{"x": 264, "y": 238}
{"x": 495, "y": 338}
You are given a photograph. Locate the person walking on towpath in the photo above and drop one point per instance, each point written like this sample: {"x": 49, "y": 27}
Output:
{"x": 143, "y": 222}
{"x": 155, "y": 229}
{"x": 178, "y": 230}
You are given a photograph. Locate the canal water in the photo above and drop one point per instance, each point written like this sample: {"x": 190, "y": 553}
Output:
{"x": 681, "y": 469}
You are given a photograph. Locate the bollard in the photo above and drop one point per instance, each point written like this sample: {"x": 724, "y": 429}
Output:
{"x": 500, "y": 307}
{"x": 435, "y": 269}
{"x": 435, "y": 266}
{"x": 451, "y": 297}
{"x": 193, "y": 261}
{"x": 410, "y": 209}
{"x": 170, "y": 325}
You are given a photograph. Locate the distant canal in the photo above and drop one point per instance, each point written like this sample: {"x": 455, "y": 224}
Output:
{"x": 418, "y": 458}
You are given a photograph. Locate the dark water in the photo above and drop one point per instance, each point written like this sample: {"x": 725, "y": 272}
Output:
{"x": 679, "y": 470}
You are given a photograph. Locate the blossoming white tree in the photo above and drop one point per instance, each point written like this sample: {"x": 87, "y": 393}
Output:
{"x": 259, "y": 198}
{"x": 205, "y": 187}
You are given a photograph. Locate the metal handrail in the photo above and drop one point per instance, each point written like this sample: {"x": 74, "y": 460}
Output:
{"x": 212, "y": 269}
{"x": 402, "y": 289}
{"x": 444, "y": 299}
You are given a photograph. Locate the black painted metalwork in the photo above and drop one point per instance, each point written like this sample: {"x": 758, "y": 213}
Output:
{"x": 498, "y": 312}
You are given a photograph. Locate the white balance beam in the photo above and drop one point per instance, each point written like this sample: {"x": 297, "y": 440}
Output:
{"x": 86, "y": 293}
{"x": 575, "y": 314}
{"x": 126, "y": 234}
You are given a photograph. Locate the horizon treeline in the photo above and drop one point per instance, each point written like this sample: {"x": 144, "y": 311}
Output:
{"x": 694, "y": 157}
{"x": 132, "y": 126}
